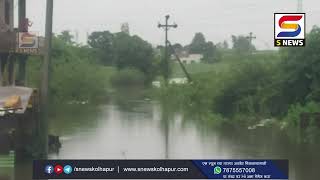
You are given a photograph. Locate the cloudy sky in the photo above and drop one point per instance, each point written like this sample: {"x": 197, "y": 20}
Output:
{"x": 217, "y": 19}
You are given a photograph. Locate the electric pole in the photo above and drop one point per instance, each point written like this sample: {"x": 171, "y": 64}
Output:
{"x": 43, "y": 123}
{"x": 251, "y": 37}
{"x": 22, "y": 59}
{"x": 166, "y": 28}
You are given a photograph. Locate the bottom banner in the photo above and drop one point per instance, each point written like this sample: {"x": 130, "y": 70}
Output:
{"x": 160, "y": 169}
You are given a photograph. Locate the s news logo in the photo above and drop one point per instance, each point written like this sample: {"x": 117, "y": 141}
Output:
{"x": 28, "y": 40}
{"x": 289, "y": 29}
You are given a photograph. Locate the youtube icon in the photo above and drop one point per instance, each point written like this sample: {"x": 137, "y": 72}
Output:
{"x": 58, "y": 169}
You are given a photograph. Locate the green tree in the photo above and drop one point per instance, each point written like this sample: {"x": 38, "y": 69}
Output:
{"x": 124, "y": 51}
{"x": 302, "y": 70}
{"x": 241, "y": 44}
{"x": 222, "y": 45}
{"x": 242, "y": 85}
{"x": 134, "y": 52}
{"x": 103, "y": 43}
{"x": 74, "y": 76}
{"x": 198, "y": 44}
{"x": 209, "y": 54}
{"x": 178, "y": 48}
{"x": 66, "y": 37}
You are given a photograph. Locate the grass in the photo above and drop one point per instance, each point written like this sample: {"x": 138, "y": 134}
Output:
{"x": 227, "y": 59}
{"x": 197, "y": 68}
{"x": 72, "y": 80}
{"x": 191, "y": 68}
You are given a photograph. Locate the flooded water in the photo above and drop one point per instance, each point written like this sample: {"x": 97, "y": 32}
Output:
{"x": 143, "y": 129}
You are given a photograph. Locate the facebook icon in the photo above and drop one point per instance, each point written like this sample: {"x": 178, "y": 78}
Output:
{"x": 48, "y": 169}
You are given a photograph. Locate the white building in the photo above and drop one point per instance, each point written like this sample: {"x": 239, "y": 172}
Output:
{"x": 176, "y": 81}
{"x": 192, "y": 58}
{"x": 187, "y": 58}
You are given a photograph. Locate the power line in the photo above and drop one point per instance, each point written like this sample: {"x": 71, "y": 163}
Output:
{"x": 166, "y": 28}
{"x": 251, "y": 37}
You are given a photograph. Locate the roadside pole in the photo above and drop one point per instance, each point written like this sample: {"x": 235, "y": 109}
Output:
{"x": 22, "y": 59}
{"x": 250, "y": 38}
{"x": 165, "y": 67}
{"x": 166, "y": 56}
{"x": 43, "y": 122}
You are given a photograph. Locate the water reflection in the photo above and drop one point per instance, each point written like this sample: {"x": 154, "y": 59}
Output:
{"x": 165, "y": 129}
{"x": 142, "y": 129}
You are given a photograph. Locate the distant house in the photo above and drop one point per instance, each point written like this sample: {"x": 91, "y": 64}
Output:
{"x": 192, "y": 58}
{"x": 178, "y": 81}
{"x": 187, "y": 58}
{"x": 175, "y": 81}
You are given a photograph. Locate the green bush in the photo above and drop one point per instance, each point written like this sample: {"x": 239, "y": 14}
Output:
{"x": 128, "y": 77}
{"x": 78, "y": 81}
{"x": 74, "y": 76}
{"x": 229, "y": 88}
{"x": 294, "y": 112}
{"x": 292, "y": 120}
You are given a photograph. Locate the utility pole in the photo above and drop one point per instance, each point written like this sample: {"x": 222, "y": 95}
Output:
{"x": 166, "y": 27}
{"x": 43, "y": 122}
{"x": 22, "y": 59}
{"x": 251, "y": 37}
{"x": 11, "y": 57}
{"x": 181, "y": 64}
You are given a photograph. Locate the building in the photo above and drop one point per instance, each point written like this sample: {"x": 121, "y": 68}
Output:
{"x": 192, "y": 58}
{"x": 6, "y": 15}
{"x": 187, "y": 58}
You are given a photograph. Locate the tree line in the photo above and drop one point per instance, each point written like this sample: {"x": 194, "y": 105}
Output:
{"x": 243, "y": 90}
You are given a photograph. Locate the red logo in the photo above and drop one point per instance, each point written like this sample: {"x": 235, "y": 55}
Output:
{"x": 58, "y": 169}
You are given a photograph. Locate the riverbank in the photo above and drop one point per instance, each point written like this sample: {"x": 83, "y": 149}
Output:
{"x": 247, "y": 89}
{"x": 273, "y": 88}
{"x": 118, "y": 131}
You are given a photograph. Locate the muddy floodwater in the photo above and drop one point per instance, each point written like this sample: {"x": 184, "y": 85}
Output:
{"x": 139, "y": 128}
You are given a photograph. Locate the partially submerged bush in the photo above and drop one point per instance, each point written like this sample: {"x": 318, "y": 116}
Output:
{"x": 74, "y": 76}
{"x": 125, "y": 77}
{"x": 295, "y": 111}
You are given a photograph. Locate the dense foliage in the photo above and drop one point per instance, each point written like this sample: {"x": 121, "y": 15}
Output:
{"x": 124, "y": 51}
{"x": 128, "y": 77}
{"x": 242, "y": 44}
{"x": 261, "y": 85}
{"x": 244, "y": 85}
{"x": 85, "y": 73}
{"x": 74, "y": 75}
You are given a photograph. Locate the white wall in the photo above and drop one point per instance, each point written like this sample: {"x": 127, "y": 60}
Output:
{"x": 192, "y": 58}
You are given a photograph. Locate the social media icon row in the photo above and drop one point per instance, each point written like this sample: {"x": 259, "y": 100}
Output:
{"x": 58, "y": 169}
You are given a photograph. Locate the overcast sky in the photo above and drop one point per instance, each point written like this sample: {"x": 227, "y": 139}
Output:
{"x": 216, "y": 19}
